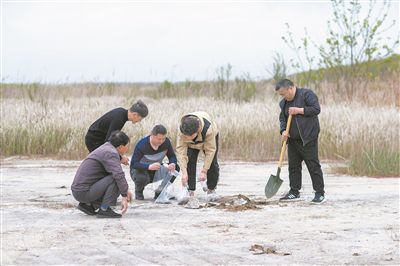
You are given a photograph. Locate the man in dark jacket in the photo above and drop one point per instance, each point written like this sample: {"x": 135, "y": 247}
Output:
{"x": 100, "y": 179}
{"x": 303, "y": 137}
{"x": 101, "y": 129}
{"x": 146, "y": 162}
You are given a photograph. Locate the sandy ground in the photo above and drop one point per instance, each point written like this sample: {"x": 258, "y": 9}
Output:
{"x": 358, "y": 224}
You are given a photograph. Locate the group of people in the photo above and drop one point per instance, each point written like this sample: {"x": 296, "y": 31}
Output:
{"x": 100, "y": 179}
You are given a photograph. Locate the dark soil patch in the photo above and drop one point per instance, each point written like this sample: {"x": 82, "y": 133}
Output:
{"x": 239, "y": 203}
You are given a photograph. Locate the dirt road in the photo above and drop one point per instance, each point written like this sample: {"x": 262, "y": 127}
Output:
{"x": 358, "y": 224}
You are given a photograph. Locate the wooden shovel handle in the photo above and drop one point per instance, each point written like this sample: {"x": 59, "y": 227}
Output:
{"x": 284, "y": 143}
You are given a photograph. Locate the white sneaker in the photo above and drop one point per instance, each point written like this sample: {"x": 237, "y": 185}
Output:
{"x": 193, "y": 203}
{"x": 183, "y": 200}
{"x": 212, "y": 196}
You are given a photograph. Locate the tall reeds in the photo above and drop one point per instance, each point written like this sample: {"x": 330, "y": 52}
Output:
{"x": 367, "y": 137}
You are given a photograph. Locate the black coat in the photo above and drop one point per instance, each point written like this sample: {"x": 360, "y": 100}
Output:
{"x": 308, "y": 124}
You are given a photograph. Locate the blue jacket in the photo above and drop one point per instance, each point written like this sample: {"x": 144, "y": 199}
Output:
{"x": 144, "y": 154}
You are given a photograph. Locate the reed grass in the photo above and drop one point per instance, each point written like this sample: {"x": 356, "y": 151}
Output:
{"x": 367, "y": 137}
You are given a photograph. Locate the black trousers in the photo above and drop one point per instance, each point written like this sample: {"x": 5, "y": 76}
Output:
{"x": 92, "y": 143}
{"x": 212, "y": 173}
{"x": 298, "y": 153}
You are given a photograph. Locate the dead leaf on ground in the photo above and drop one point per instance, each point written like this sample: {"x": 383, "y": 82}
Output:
{"x": 263, "y": 249}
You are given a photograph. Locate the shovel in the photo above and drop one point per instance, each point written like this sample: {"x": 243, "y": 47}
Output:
{"x": 274, "y": 181}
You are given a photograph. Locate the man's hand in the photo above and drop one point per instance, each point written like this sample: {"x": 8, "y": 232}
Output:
{"x": 296, "y": 111}
{"x": 284, "y": 136}
{"x": 129, "y": 196}
{"x": 184, "y": 178}
{"x": 125, "y": 160}
{"x": 171, "y": 167}
{"x": 124, "y": 204}
{"x": 154, "y": 166}
{"x": 203, "y": 175}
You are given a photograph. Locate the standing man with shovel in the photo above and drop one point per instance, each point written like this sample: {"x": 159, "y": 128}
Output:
{"x": 302, "y": 139}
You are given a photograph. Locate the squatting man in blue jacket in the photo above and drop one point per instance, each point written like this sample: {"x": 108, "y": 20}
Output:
{"x": 146, "y": 163}
{"x": 303, "y": 137}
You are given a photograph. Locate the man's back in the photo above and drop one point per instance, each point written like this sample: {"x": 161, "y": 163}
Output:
{"x": 101, "y": 162}
{"x": 113, "y": 120}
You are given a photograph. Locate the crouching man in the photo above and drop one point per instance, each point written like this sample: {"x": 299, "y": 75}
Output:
{"x": 146, "y": 162}
{"x": 198, "y": 132}
{"x": 100, "y": 179}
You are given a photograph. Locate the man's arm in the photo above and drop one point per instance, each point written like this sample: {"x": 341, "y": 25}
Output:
{"x": 283, "y": 121}
{"x": 136, "y": 157}
{"x": 172, "y": 160}
{"x": 112, "y": 164}
{"x": 312, "y": 106}
{"x": 210, "y": 147}
{"x": 181, "y": 152}
{"x": 171, "y": 154}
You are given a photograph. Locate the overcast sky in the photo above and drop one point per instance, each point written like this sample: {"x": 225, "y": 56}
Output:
{"x": 143, "y": 41}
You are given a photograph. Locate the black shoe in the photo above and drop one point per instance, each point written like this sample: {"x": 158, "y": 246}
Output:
{"x": 290, "y": 197}
{"x": 109, "y": 213}
{"x": 88, "y": 209}
{"x": 319, "y": 198}
{"x": 139, "y": 195}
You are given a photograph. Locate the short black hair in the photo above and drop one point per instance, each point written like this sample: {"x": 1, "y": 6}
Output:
{"x": 189, "y": 125}
{"x": 140, "y": 108}
{"x": 158, "y": 129}
{"x": 284, "y": 83}
{"x": 118, "y": 138}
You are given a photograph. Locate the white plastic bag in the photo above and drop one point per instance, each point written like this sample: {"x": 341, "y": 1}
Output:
{"x": 166, "y": 194}
{"x": 183, "y": 196}
{"x": 204, "y": 185}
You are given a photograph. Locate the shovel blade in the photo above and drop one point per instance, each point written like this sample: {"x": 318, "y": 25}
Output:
{"x": 272, "y": 186}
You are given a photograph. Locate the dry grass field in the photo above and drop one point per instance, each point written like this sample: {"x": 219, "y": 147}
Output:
{"x": 36, "y": 121}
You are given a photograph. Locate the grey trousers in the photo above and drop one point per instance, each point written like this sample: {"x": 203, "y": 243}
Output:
{"x": 104, "y": 191}
{"x": 142, "y": 178}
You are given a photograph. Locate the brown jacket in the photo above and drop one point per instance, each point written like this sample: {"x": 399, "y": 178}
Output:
{"x": 208, "y": 144}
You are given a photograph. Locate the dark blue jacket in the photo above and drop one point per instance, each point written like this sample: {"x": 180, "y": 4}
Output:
{"x": 144, "y": 154}
{"x": 308, "y": 124}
